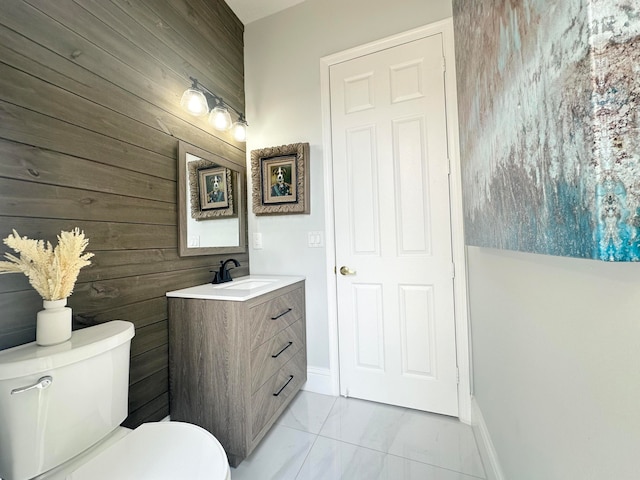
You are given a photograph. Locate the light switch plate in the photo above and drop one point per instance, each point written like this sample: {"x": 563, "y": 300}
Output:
{"x": 194, "y": 240}
{"x": 257, "y": 241}
{"x": 315, "y": 239}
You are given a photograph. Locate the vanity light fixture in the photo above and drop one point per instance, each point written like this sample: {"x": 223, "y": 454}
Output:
{"x": 197, "y": 101}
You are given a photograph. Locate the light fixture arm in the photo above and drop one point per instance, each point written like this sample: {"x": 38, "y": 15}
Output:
{"x": 216, "y": 101}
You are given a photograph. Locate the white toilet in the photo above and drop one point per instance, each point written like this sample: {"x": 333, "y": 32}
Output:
{"x": 60, "y": 411}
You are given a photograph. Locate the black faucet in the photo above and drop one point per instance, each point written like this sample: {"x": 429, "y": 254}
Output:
{"x": 223, "y": 275}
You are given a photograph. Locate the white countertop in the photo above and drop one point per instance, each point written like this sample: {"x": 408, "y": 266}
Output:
{"x": 238, "y": 290}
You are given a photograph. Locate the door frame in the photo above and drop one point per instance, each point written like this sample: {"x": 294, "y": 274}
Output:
{"x": 463, "y": 353}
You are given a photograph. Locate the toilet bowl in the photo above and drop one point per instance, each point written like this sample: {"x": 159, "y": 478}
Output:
{"x": 61, "y": 407}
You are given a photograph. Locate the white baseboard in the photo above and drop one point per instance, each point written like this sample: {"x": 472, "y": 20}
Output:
{"x": 319, "y": 381}
{"x": 485, "y": 444}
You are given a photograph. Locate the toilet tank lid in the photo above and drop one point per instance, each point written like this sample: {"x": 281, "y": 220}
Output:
{"x": 88, "y": 342}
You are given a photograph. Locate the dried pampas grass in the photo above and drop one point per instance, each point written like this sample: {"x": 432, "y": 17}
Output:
{"x": 51, "y": 271}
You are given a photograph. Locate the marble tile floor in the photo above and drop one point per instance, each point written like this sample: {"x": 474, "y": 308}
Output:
{"x": 320, "y": 437}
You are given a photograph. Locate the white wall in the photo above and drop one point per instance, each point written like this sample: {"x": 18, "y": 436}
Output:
{"x": 282, "y": 82}
{"x": 556, "y": 355}
{"x": 556, "y": 341}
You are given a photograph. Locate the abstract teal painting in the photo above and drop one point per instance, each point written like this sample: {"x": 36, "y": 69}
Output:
{"x": 548, "y": 97}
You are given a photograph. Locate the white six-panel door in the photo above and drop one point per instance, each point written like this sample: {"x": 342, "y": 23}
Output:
{"x": 396, "y": 321}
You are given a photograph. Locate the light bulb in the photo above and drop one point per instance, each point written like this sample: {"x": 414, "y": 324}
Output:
{"x": 240, "y": 131}
{"x": 194, "y": 102}
{"x": 220, "y": 119}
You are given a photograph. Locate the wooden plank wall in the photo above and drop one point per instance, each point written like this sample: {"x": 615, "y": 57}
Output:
{"x": 89, "y": 126}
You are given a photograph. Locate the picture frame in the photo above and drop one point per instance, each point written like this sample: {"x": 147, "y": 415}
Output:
{"x": 212, "y": 188}
{"x": 280, "y": 180}
{"x": 201, "y": 185}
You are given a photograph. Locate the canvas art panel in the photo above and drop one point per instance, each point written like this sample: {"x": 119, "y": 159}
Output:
{"x": 549, "y": 145}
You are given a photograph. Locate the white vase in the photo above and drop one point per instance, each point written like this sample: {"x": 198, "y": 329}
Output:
{"x": 53, "y": 324}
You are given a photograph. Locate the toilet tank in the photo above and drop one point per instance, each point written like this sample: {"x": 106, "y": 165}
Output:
{"x": 86, "y": 398}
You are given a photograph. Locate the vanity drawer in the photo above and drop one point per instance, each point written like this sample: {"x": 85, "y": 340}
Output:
{"x": 270, "y": 317}
{"x": 273, "y": 354}
{"x": 277, "y": 392}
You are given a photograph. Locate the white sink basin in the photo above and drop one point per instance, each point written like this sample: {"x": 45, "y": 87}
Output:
{"x": 246, "y": 284}
{"x": 238, "y": 290}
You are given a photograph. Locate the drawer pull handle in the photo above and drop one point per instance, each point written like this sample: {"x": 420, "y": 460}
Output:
{"x": 283, "y": 386}
{"x": 282, "y": 314}
{"x": 283, "y": 349}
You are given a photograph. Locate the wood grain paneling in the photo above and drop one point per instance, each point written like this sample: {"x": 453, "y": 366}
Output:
{"x": 23, "y": 199}
{"x": 64, "y": 73}
{"x": 153, "y": 411}
{"x": 89, "y": 127}
{"x": 149, "y": 337}
{"x": 149, "y": 388}
{"x": 41, "y": 131}
{"x": 38, "y": 165}
{"x": 68, "y": 107}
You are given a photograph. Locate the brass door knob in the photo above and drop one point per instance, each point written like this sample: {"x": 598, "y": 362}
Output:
{"x": 347, "y": 271}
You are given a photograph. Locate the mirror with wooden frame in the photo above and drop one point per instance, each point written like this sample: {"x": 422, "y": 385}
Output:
{"x": 211, "y": 203}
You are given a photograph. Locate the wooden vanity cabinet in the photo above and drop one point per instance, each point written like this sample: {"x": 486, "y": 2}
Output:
{"x": 234, "y": 366}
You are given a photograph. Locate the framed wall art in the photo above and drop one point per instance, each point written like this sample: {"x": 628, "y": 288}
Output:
{"x": 211, "y": 190}
{"x": 212, "y": 186}
{"x": 280, "y": 179}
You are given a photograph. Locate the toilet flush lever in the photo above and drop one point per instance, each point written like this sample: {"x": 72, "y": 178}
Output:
{"x": 44, "y": 382}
